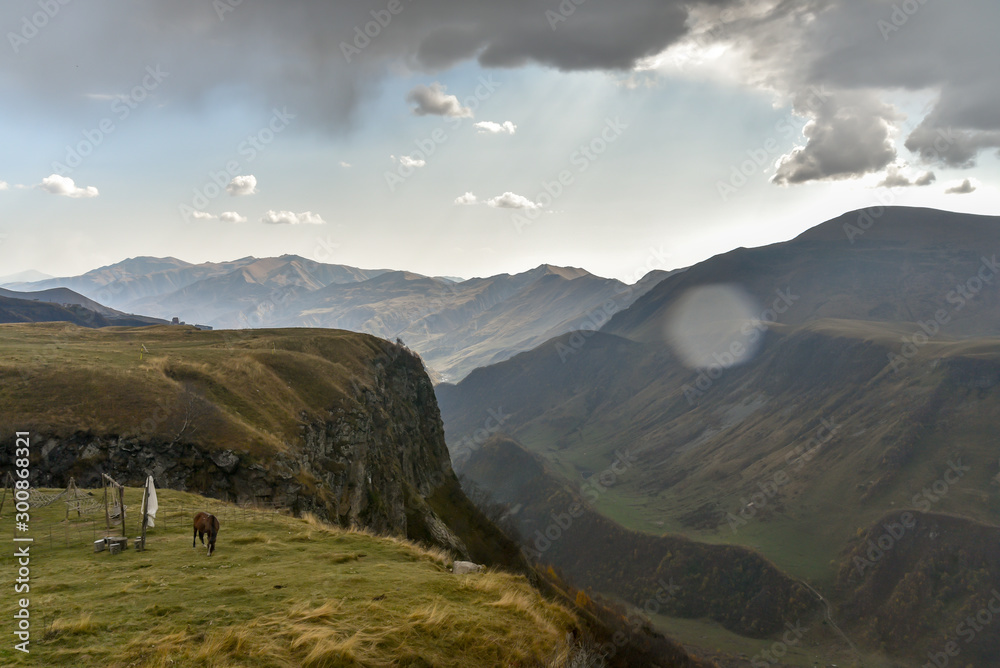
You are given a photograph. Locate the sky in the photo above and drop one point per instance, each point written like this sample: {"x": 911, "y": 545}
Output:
{"x": 471, "y": 138}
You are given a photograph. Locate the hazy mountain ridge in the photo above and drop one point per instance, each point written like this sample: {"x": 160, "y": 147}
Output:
{"x": 907, "y": 266}
{"x": 456, "y": 327}
{"x": 62, "y": 304}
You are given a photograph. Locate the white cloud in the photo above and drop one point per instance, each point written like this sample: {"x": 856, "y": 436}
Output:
{"x": 225, "y": 217}
{"x": 4, "y": 185}
{"x": 407, "y": 161}
{"x": 489, "y": 127}
{"x": 63, "y": 185}
{"x": 345, "y": 165}
{"x": 466, "y": 200}
{"x": 511, "y": 200}
{"x": 895, "y": 178}
{"x": 290, "y": 218}
{"x": 232, "y": 217}
{"x": 432, "y": 101}
{"x": 242, "y": 185}
{"x": 964, "y": 188}
{"x": 850, "y": 135}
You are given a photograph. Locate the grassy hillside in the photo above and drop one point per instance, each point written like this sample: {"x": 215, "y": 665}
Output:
{"x": 235, "y": 389}
{"x": 697, "y": 462}
{"x": 341, "y": 424}
{"x": 795, "y": 454}
{"x": 730, "y": 585}
{"x": 278, "y": 592}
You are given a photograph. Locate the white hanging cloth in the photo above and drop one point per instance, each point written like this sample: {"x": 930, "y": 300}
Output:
{"x": 151, "y": 504}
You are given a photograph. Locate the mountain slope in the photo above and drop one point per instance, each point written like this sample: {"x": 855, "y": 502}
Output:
{"x": 910, "y": 264}
{"x": 732, "y": 586}
{"x": 64, "y": 305}
{"x": 803, "y": 448}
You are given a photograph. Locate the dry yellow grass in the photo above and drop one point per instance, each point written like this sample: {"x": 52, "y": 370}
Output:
{"x": 279, "y": 592}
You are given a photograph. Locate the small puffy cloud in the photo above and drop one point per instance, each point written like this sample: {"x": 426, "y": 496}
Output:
{"x": 489, "y": 127}
{"x": 511, "y": 200}
{"x": 467, "y": 199}
{"x": 232, "y": 217}
{"x": 432, "y": 101}
{"x": 4, "y": 185}
{"x": 964, "y": 188}
{"x": 226, "y": 217}
{"x": 63, "y": 185}
{"x": 895, "y": 178}
{"x": 407, "y": 161}
{"x": 345, "y": 165}
{"x": 242, "y": 185}
{"x": 290, "y": 218}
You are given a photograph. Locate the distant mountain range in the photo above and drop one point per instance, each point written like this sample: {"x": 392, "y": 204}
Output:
{"x": 63, "y": 304}
{"x": 456, "y": 326}
{"x": 843, "y": 378}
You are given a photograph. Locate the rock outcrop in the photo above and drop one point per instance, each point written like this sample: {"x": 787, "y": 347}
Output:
{"x": 372, "y": 462}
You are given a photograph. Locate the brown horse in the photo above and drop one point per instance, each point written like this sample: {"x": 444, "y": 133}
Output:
{"x": 205, "y": 523}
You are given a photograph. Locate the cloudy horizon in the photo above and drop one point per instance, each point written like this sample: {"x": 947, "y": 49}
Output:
{"x": 469, "y": 139}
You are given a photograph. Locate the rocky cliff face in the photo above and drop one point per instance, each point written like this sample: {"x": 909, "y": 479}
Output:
{"x": 370, "y": 465}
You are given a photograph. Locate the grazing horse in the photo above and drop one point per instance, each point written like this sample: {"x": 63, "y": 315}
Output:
{"x": 205, "y": 523}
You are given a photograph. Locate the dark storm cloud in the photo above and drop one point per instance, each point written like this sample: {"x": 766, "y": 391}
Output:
{"x": 863, "y": 50}
{"x": 317, "y": 58}
{"x": 321, "y": 58}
